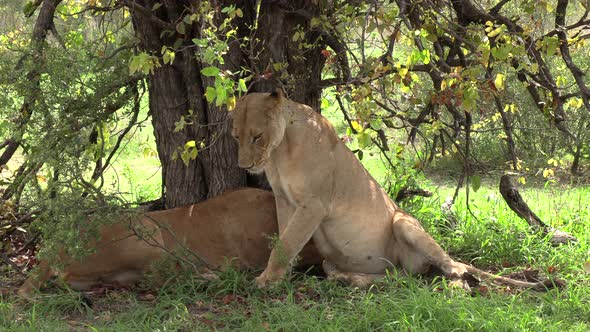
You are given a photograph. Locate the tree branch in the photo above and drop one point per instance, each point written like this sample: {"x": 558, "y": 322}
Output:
{"x": 518, "y": 205}
{"x": 496, "y": 9}
{"x": 560, "y": 13}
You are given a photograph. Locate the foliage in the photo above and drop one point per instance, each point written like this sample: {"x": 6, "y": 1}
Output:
{"x": 68, "y": 103}
{"x": 480, "y": 84}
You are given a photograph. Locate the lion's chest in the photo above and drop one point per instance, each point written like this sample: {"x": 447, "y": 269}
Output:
{"x": 284, "y": 182}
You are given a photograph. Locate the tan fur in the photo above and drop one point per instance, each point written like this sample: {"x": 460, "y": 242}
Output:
{"x": 233, "y": 225}
{"x": 323, "y": 192}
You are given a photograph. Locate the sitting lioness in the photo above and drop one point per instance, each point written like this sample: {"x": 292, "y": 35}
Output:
{"x": 323, "y": 192}
{"x": 234, "y": 225}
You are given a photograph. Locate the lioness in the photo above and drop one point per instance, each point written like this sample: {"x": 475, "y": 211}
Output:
{"x": 323, "y": 192}
{"x": 233, "y": 225}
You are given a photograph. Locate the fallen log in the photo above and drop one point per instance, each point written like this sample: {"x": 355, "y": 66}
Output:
{"x": 519, "y": 206}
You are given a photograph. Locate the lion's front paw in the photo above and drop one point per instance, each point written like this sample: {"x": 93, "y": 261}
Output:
{"x": 267, "y": 279}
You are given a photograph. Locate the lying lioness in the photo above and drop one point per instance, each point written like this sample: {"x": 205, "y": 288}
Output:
{"x": 233, "y": 225}
{"x": 323, "y": 192}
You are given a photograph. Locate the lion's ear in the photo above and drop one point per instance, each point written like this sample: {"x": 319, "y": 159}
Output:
{"x": 278, "y": 94}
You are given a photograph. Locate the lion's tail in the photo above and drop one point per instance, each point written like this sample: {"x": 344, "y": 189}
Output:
{"x": 538, "y": 286}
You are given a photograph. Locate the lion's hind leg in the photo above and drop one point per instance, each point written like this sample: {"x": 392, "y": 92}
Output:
{"x": 416, "y": 251}
{"x": 355, "y": 279}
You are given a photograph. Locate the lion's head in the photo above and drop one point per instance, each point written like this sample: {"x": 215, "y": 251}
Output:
{"x": 258, "y": 127}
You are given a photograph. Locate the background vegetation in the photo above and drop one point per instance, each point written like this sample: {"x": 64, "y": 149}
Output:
{"x": 108, "y": 104}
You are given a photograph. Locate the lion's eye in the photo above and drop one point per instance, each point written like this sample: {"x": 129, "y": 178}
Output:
{"x": 256, "y": 138}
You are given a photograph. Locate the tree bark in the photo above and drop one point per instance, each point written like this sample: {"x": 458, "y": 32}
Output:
{"x": 177, "y": 88}
{"x": 278, "y": 21}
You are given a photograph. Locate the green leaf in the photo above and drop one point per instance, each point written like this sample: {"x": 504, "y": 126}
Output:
{"x": 190, "y": 144}
{"x": 364, "y": 139}
{"x": 210, "y": 71}
{"x": 475, "y": 182}
{"x": 168, "y": 57}
{"x": 200, "y": 42}
{"x": 501, "y": 52}
{"x": 376, "y": 124}
{"x": 193, "y": 153}
{"x": 221, "y": 95}
{"x": 425, "y": 56}
{"x": 315, "y": 21}
{"x": 29, "y": 9}
{"x": 210, "y": 94}
{"x": 133, "y": 65}
{"x": 552, "y": 43}
{"x": 470, "y": 98}
{"x": 156, "y": 6}
{"x": 185, "y": 156}
{"x": 181, "y": 28}
{"x": 180, "y": 124}
{"x": 242, "y": 85}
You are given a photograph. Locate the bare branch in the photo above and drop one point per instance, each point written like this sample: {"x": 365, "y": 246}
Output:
{"x": 496, "y": 9}
{"x": 560, "y": 13}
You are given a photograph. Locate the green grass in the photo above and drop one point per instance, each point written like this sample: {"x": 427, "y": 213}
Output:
{"x": 491, "y": 239}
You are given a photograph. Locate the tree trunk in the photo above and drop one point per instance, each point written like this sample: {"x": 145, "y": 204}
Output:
{"x": 177, "y": 88}
{"x": 278, "y": 21}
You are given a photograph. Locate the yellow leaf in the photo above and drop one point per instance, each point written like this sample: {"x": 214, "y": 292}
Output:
{"x": 499, "y": 81}
{"x": 190, "y": 144}
{"x": 356, "y": 126}
{"x": 231, "y": 103}
{"x": 548, "y": 172}
{"x": 41, "y": 179}
{"x": 495, "y": 32}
